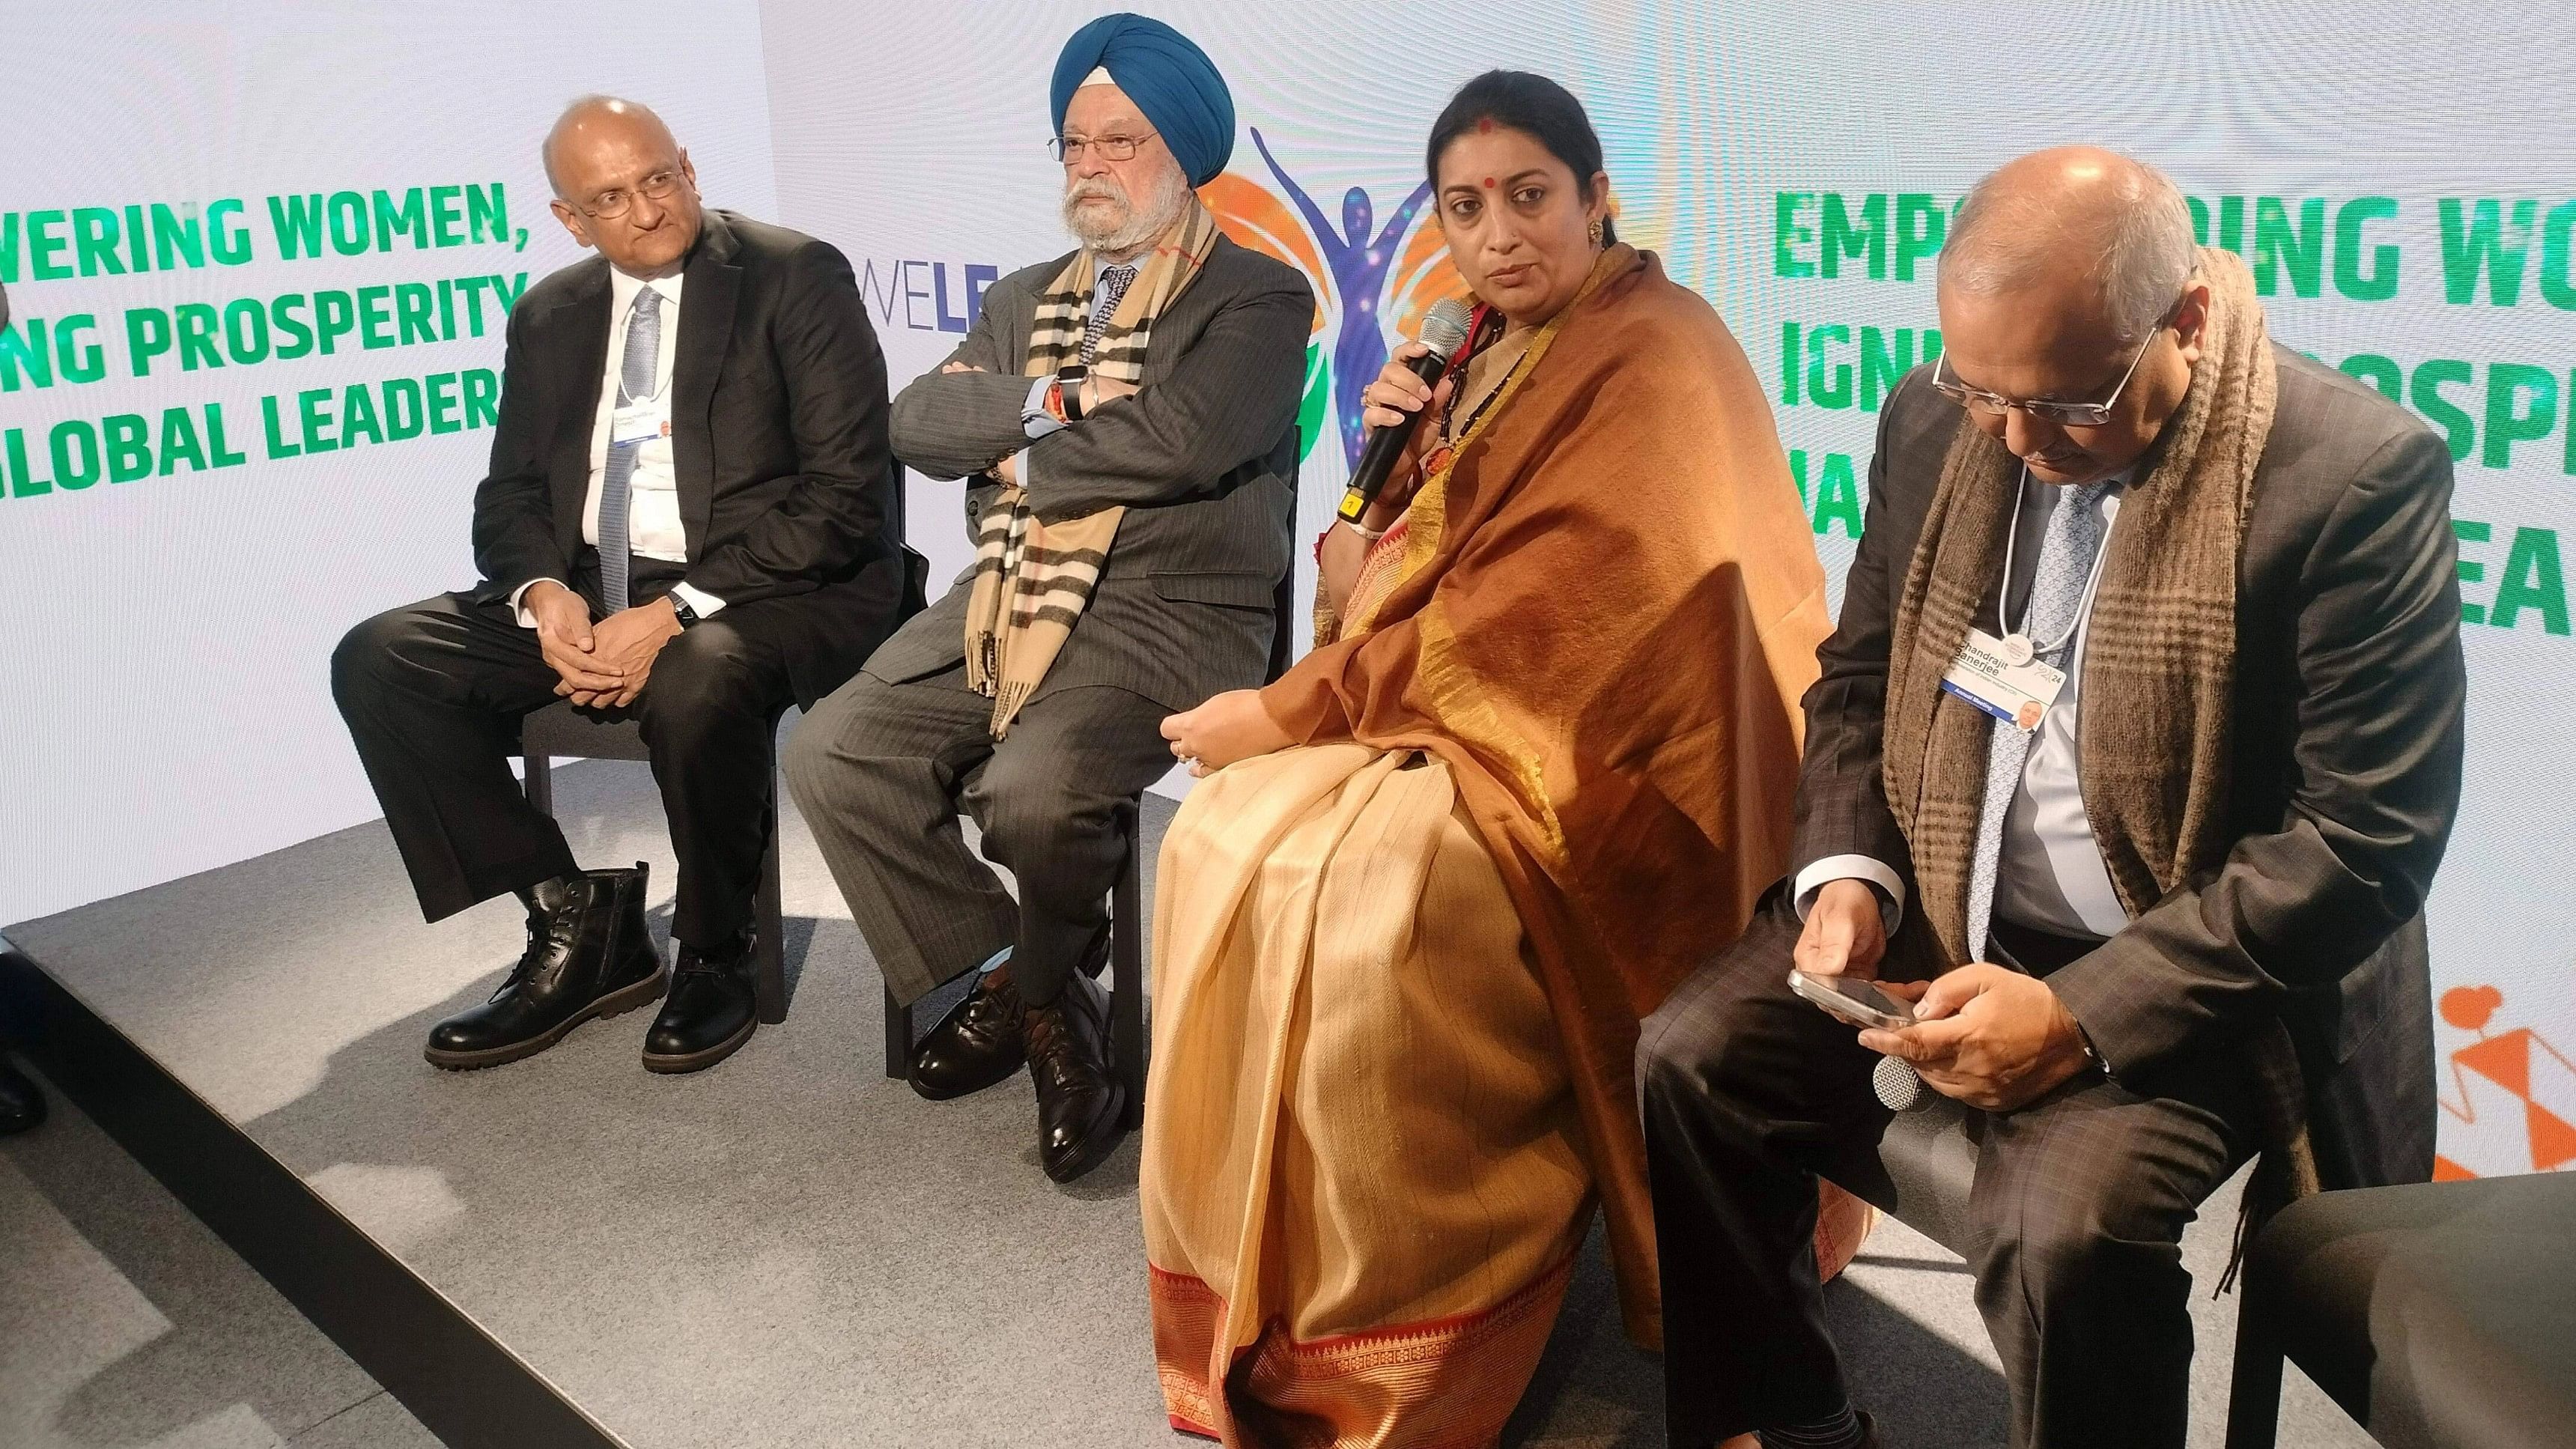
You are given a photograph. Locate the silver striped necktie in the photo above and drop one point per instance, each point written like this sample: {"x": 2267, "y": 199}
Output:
{"x": 2056, "y": 591}
{"x": 634, "y": 382}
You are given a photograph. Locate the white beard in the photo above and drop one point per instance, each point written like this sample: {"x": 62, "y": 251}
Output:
{"x": 1124, "y": 227}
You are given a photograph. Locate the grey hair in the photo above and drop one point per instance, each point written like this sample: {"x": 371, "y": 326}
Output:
{"x": 2002, "y": 238}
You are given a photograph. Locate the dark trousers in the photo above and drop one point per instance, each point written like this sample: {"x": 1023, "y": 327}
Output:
{"x": 881, "y": 771}
{"x": 1749, "y": 1092}
{"x": 433, "y": 694}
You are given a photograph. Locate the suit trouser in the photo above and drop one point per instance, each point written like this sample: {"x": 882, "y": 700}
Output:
{"x": 433, "y": 694}
{"x": 1749, "y": 1092}
{"x": 881, "y": 771}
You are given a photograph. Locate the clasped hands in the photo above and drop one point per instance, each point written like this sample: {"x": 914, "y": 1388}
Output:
{"x": 1985, "y": 1035}
{"x": 1096, "y": 390}
{"x": 604, "y": 666}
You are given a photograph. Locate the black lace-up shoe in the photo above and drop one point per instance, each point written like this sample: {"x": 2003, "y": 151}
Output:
{"x": 712, "y": 1010}
{"x": 1081, "y": 1107}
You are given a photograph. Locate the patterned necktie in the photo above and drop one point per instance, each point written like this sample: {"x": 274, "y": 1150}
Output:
{"x": 1113, "y": 285}
{"x": 2056, "y": 591}
{"x": 634, "y": 381}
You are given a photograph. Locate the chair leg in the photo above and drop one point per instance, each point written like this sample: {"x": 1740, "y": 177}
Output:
{"x": 2254, "y": 1393}
{"x": 898, "y": 1036}
{"x": 1127, "y": 969}
{"x": 540, "y": 783}
{"x": 769, "y": 957}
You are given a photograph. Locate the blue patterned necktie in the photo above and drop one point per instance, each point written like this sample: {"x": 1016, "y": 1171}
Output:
{"x": 634, "y": 381}
{"x": 1113, "y": 285}
{"x": 2056, "y": 591}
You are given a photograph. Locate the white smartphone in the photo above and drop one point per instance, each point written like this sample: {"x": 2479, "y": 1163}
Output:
{"x": 1850, "y": 999}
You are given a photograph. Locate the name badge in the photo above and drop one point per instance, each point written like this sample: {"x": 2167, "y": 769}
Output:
{"x": 638, "y": 422}
{"x": 1985, "y": 675}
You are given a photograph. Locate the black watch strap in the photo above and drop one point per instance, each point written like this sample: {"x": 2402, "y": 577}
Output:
{"x": 1069, "y": 380}
{"x": 680, "y": 609}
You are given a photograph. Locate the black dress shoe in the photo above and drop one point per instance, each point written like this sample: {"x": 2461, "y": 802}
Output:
{"x": 975, "y": 1045}
{"x": 22, "y": 1102}
{"x": 589, "y": 955}
{"x": 1081, "y": 1107}
{"x": 712, "y": 1010}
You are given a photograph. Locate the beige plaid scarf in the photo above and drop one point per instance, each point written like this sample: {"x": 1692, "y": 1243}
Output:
{"x": 1033, "y": 579}
{"x": 2159, "y": 665}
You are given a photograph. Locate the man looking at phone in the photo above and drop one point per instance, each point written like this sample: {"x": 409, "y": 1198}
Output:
{"x": 2191, "y": 934}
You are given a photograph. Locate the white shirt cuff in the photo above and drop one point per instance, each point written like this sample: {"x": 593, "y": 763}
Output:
{"x": 526, "y": 619}
{"x": 1891, "y": 890}
{"x": 704, "y": 603}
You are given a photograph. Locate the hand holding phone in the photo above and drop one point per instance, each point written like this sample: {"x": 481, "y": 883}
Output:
{"x": 1853, "y": 1001}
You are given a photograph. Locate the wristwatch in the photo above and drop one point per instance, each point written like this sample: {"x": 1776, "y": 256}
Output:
{"x": 1068, "y": 382}
{"x": 680, "y": 609}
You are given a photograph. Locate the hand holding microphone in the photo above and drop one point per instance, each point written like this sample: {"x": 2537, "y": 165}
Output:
{"x": 1394, "y": 402}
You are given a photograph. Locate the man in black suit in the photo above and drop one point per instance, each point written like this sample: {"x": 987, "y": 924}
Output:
{"x": 682, "y": 521}
{"x": 2189, "y": 935}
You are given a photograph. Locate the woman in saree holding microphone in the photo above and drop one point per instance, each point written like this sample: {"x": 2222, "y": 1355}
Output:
{"x": 1539, "y": 766}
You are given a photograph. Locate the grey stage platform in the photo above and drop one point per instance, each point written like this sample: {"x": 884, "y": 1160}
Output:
{"x": 787, "y": 1250}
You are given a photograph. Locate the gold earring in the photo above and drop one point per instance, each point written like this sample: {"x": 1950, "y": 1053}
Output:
{"x": 1596, "y": 231}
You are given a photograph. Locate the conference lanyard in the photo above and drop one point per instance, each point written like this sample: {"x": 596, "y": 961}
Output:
{"x": 2017, "y": 647}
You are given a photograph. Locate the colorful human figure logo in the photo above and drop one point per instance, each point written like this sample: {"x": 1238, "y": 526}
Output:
{"x": 2512, "y": 1095}
{"x": 1368, "y": 279}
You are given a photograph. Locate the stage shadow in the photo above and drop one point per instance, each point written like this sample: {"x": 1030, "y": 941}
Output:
{"x": 1595, "y": 1389}
{"x": 227, "y": 1340}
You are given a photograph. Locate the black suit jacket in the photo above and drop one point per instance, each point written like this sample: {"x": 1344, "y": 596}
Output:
{"x": 2345, "y": 770}
{"x": 778, "y": 439}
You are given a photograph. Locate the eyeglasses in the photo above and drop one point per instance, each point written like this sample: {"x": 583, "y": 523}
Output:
{"x": 2064, "y": 414}
{"x": 615, "y": 201}
{"x": 1069, "y": 149}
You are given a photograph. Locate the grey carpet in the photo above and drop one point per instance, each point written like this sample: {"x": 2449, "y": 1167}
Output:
{"x": 790, "y": 1249}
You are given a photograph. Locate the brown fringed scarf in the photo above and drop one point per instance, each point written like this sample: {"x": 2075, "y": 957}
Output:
{"x": 2159, "y": 665}
{"x": 1045, "y": 573}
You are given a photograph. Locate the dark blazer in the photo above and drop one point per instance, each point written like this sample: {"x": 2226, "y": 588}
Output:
{"x": 778, "y": 439}
{"x": 2345, "y": 773}
{"x": 1204, "y": 457}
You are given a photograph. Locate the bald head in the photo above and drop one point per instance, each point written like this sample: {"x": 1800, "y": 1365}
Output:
{"x": 623, "y": 185}
{"x": 2076, "y": 214}
{"x": 592, "y": 122}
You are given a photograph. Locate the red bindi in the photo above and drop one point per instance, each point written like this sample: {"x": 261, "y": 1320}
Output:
{"x": 1489, "y": 183}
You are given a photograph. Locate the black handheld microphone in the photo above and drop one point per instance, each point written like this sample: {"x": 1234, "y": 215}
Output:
{"x": 1444, "y": 327}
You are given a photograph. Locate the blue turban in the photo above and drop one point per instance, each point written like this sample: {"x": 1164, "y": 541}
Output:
{"x": 1171, "y": 80}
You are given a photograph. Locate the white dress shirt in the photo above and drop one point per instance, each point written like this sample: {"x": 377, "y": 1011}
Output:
{"x": 2051, "y": 876}
{"x": 653, "y": 527}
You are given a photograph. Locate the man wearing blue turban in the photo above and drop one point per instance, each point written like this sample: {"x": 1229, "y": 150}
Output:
{"x": 1125, "y": 419}
{"x": 1169, "y": 78}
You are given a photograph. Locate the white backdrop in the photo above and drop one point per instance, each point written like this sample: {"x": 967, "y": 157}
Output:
{"x": 163, "y": 641}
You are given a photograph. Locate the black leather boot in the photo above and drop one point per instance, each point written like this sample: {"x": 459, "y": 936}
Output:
{"x": 589, "y": 955}
{"x": 22, "y": 1102}
{"x": 712, "y": 1010}
{"x": 1081, "y": 1107}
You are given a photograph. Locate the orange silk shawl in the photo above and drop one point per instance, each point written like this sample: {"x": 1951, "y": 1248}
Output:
{"x": 1611, "y": 609}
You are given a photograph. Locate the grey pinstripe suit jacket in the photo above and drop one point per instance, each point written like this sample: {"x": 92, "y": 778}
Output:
{"x": 1204, "y": 458}
{"x": 2346, "y": 773}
